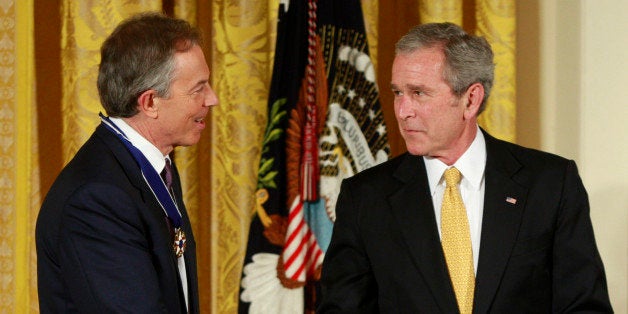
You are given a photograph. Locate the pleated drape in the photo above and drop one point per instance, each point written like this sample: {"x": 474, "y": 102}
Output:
{"x": 19, "y": 185}
{"x": 241, "y": 61}
{"x": 496, "y": 21}
{"x": 441, "y": 11}
{"x": 370, "y": 11}
{"x": 220, "y": 172}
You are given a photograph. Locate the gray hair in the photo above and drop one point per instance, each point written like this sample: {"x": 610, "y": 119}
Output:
{"x": 138, "y": 56}
{"x": 468, "y": 58}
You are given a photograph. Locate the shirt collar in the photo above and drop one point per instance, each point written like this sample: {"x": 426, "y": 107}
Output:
{"x": 471, "y": 164}
{"x": 152, "y": 153}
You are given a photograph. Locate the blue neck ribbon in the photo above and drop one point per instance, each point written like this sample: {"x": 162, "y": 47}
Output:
{"x": 152, "y": 178}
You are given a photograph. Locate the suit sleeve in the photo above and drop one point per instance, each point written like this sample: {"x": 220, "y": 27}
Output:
{"x": 347, "y": 281}
{"x": 106, "y": 252}
{"x": 579, "y": 282}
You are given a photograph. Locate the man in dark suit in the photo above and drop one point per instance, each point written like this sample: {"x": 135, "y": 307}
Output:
{"x": 111, "y": 235}
{"x": 524, "y": 242}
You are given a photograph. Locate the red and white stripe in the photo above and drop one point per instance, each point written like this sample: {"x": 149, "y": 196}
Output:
{"x": 301, "y": 253}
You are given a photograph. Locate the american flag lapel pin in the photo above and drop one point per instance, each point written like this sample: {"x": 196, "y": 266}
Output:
{"x": 511, "y": 200}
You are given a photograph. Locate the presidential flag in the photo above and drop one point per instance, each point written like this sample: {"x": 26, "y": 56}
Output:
{"x": 324, "y": 124}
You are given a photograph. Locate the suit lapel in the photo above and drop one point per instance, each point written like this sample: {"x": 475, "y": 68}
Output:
{"x": 414, "y": 212}
{"x": 133, "y": 171}
{"x": 503, "y": 206}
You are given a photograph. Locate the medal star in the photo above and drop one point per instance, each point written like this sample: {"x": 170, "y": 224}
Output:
{"x": 179, "y": 242}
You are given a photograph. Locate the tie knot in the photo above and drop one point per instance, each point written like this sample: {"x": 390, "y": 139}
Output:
{"x": 452, "y": 176}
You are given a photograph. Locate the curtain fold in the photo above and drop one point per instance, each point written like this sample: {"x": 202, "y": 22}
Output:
{"x": 186, "y": 9}
{"x": 19, "y": 182}
{"x": 440, "y": 11}
{"x": 497, "y": 22}
{"x": 243, "y": 32}
{"x": 370, "y": 10}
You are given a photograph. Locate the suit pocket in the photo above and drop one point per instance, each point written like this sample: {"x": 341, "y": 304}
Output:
{"x": 533, "y": 245}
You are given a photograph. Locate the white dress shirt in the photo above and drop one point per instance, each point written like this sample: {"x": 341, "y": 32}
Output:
{"x": 158, "y": 161}
{"x": 471, "y": 165}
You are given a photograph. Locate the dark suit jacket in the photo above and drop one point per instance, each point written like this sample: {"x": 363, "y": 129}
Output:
{"x": 103, "y": 243}
{"x": 536, "y": 256}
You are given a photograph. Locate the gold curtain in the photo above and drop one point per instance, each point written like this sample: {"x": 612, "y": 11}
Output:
{"x": 370, "y": 10}
{"x": 441, "y": 11}
{"x": 496, "y": 21}
{"x": 219, "y": 174}
{"x": 242, "y": 57}
{"x": 19, "y": 185}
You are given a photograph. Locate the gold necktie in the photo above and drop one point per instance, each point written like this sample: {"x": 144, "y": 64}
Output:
{"x": 456, "y": 242}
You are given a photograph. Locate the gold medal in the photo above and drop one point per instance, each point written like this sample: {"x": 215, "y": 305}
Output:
{"x": 179, "y": 242}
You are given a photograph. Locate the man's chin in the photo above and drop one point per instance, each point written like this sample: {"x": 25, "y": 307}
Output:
{"x": 417, "y": 151}
{"x": 190, "y": 141}
{"x": 415, "y": 146}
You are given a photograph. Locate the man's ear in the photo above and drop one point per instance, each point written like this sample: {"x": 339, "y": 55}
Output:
{"x": 148, "y": 103}
{"x": 474, "y": 96}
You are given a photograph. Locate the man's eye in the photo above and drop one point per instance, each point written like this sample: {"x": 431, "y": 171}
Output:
{"x": 198, "y": 90}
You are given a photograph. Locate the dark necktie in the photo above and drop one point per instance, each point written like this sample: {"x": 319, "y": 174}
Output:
{"x": 166, "y": 175}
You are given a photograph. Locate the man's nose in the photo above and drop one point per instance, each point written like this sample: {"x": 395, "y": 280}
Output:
{"x": 210, "y": 98}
